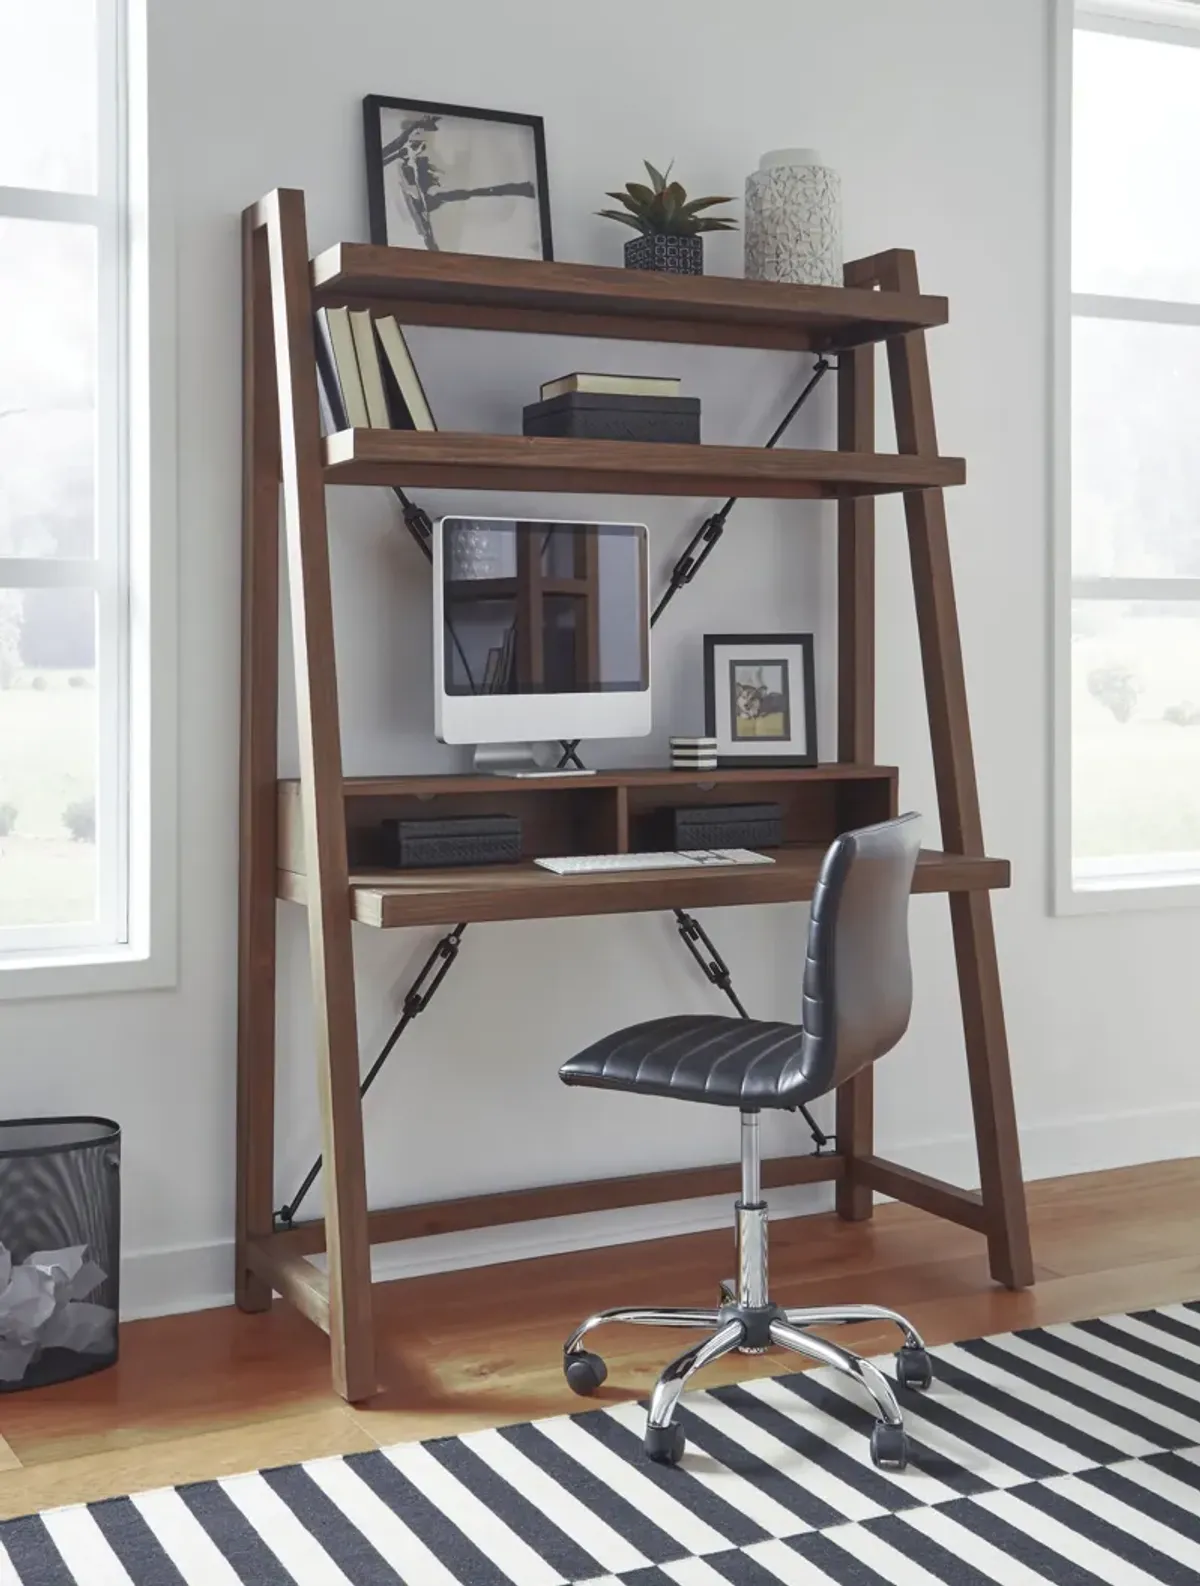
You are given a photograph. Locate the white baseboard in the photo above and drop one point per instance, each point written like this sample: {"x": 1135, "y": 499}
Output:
{"x": 198, "y": 1277}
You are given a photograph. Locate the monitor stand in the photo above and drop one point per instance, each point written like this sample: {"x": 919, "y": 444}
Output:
{"x": 517, "y": 760}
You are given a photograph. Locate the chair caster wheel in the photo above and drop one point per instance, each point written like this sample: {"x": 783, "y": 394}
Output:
{"x": 914, "y": 1369}
{"x": 584, "y": 1372}
{"x": 665, "y": 1444}
{"x": 889, "y": 1447}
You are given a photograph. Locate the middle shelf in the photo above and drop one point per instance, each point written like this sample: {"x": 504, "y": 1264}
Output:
{"x": 448, "y": 460}
{"x": 611, "y": 812}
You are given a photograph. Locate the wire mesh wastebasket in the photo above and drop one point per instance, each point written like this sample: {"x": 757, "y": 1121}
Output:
{"x": 60, "y": 1248}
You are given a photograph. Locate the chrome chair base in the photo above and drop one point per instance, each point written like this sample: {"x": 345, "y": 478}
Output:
{"x": 728, "y": 1329}
{"x": 747, "y": 1321}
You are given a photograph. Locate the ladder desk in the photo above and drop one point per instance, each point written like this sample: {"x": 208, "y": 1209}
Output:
{"x": 306, "y": 840}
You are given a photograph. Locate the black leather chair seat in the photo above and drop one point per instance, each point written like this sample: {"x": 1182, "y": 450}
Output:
{"x": 696, "y": 1057}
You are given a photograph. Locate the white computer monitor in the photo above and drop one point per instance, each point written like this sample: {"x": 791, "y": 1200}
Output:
{"x": 541, "y": 631}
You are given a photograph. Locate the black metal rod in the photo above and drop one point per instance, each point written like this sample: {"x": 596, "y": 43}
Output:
{"x": 820, "y": 369}
{"x": 706, "y": 536}
{"x": 416, "y": 1000}
{"x": 711, "y": 530}
{"x": 419, "y": 524}
{"x": 417, "y": 521}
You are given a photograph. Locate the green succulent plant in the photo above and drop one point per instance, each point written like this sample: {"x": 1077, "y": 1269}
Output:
{"x": 665, "y": 210}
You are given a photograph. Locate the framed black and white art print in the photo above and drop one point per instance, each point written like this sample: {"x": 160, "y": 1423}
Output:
{"x": 760, "y": 698}
{"x": 455, "y": 180}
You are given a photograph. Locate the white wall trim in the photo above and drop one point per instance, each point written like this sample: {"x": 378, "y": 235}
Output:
{"x": 72, "y": 209}
{"x": 1063, "y": 898}
{"x": 84, "y": 972}
{"x": 153, "y": 521}
{"x": 1146, "y": 311}
{"x": 1158, "y": 21}
{"x": 200, "y": 1277}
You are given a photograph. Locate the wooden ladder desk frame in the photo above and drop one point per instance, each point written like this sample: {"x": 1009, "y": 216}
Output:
{"x": 283, "y": 445}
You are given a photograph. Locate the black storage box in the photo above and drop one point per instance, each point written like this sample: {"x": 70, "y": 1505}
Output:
{"x": 60, "y": 1249}
{"x": 589, "y": 415}
{"x": 454, "y": 840}
{"x": 723, "y": 826}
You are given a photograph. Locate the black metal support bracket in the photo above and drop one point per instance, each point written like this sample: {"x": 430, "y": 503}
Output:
{"x": 420, "y": 994}
{"x": 702, "y": 544}
{"x": 417, "y": 521}
{"x": 706, "y": 537}
{"x": 715, "y": 970}
{"x": 702, "y": 948}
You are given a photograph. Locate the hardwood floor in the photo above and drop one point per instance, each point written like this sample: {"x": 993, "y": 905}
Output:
{"x": 215, "y": 1392}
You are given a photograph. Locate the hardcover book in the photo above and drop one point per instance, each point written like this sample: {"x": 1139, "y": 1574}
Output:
{"x": 612, "y": 385}
{"x": 410, "y": 406}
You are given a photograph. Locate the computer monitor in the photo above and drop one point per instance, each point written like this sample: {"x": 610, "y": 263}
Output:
{"x": 541, "y": 631}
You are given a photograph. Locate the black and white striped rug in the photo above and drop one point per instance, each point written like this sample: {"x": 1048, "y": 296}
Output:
{"x": 1066, "y": 1455}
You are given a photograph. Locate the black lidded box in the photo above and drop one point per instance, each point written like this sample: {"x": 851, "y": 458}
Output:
{"x": 723, "y": 826}
{"x": 453, "y": 840}
{"x": 595, "y": 416}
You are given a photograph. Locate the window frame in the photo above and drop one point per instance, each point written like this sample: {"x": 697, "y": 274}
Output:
{"x": 1158, "y": 881}
{"x": 134, "y": 942}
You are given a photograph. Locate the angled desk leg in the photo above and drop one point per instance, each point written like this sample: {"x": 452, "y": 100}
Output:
{"x": 260, "y": 700}
{"x": 322, "y": 806}
{"x": 988, "y": 1067}
{"x": 855, "y": 1125}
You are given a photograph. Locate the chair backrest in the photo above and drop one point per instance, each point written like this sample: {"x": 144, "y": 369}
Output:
{"x": 857, "y": 969}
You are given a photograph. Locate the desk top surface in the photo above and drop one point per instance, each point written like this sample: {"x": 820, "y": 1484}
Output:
{"x": 388, "y": 899}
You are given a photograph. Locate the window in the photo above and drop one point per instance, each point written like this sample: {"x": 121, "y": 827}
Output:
{"x": 1132, "y": 676}
{"x": 64, "y": 591}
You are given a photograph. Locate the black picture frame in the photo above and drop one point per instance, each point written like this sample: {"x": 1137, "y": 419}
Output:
{"x": 719, "y": 708}
{"x": 373, "y": 107}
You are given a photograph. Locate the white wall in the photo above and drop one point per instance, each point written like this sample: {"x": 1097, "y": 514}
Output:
{"x": 936, "y": 112}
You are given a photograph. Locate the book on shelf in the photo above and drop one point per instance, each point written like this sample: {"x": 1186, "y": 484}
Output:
{"x": 642, "y": 385}
{"x": 360, "y": 386}
{"x": 329, "y": 421}
{"x": 329, "y": 390}
{"x": 409, "y": 405}
{"x": 370, "y": 368}
{"x": 337, "y": 365}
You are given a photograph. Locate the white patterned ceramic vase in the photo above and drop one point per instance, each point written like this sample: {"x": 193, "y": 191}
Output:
{"x": 794, "y": 220}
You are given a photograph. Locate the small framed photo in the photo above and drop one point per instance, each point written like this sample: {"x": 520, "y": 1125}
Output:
{"x": 760, "y": 698}
{"x": 455, "y": 180}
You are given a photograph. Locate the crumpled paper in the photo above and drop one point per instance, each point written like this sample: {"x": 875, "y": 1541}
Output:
{"x": 43, "y": 1305}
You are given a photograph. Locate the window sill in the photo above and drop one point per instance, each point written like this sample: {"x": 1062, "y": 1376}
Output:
{"x": 84, "y": 972}
{"x": 1123, "y": 894}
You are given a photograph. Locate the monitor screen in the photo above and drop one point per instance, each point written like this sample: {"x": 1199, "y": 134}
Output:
{"x": 539, "y": 608}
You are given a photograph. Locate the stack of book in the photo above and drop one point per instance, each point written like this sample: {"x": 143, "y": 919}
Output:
{"x": 615, "y": 407}
{"x": 367, "y": 377}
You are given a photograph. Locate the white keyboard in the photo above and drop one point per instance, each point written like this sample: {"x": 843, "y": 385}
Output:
{"x": 695, "y": 858}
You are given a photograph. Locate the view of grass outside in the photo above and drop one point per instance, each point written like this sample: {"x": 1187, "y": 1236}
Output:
{"x": 1136, "y": 728}
{"x": 47, "y": 777}
{"x": 48, "y": 871}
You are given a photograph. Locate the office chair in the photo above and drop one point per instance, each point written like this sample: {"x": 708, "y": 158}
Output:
{"x": 857, "y": 999}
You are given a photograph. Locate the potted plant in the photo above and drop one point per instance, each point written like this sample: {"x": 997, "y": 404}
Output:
{"x": 669, "y": 222}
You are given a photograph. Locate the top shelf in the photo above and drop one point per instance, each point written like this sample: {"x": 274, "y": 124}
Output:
{"x": 594, "y": 300}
